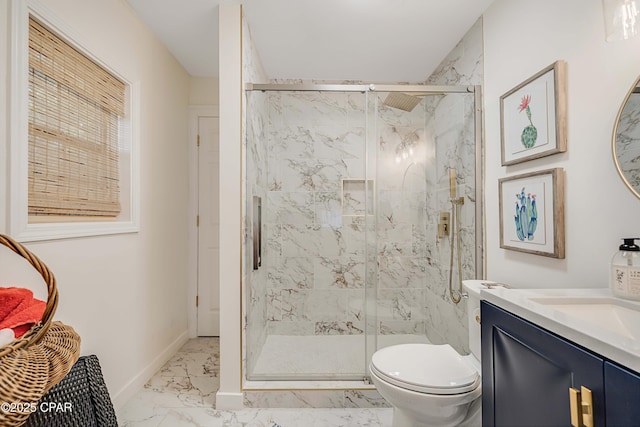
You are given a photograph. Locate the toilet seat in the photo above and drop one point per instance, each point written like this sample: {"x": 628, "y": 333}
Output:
{"x": 425, "y": 368}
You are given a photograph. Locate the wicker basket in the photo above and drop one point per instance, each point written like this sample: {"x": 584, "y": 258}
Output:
{"x": 34, "y": 334}
{"x": 35, "y": 362}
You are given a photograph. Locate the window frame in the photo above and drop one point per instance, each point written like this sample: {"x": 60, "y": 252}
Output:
{"x": 18, "y": 219}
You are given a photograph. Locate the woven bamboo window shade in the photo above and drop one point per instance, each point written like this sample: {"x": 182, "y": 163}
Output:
{"x": 76, "y": 108}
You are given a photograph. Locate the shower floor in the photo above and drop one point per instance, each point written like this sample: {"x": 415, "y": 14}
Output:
{"x": 319, "y": 356}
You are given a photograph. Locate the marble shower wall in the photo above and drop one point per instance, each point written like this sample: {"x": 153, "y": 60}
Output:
{"x": 257, "y": 179}
{"x": 415, "y": 152}
{"x": 254, "y": 182}
{"x": 308, "y": 163}
{"x": 314, "y": 213}
{"x": 404, "y": 176}
{"x": 454, "y": 147}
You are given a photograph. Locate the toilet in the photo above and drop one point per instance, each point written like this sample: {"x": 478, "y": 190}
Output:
{"x": 433, "y": 385}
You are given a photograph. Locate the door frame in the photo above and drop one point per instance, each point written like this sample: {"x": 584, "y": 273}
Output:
{"x": 195, "y": 111}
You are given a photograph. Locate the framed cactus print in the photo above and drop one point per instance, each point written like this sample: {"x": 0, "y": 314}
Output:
{"x": 532, "y": 213}
{"x": 533, "y": 117}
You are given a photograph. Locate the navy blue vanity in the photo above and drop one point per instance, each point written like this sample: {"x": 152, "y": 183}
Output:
{"x": 528, "y": 372}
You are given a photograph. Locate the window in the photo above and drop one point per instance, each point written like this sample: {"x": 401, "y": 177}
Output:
{"x": 74, "y": 136}
{"x": 76, "y": 108}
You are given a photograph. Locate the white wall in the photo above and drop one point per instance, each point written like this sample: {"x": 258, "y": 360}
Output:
{"x": 520, "y": 38}
{"x": 203, "y": 91}
{"x": 126, "y": 295}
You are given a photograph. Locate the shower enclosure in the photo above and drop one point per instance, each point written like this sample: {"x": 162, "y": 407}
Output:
{"x": 346, "y": 249}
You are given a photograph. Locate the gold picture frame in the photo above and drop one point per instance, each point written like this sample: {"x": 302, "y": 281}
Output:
{"x": 536, "y": 224}
{"x": 533, "y": 117}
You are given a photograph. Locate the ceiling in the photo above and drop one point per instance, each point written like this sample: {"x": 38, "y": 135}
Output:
{"x": 367, "y": 40}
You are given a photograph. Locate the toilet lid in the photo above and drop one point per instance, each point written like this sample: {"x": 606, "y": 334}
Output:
{"x": 425, "y": 368}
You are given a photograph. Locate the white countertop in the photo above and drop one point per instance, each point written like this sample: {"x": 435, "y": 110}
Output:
{"x": 598, "y": 334}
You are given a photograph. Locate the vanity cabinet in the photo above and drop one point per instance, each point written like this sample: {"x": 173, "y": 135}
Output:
{"x": 527, "y": 372}
{"x": 622, "y": 396}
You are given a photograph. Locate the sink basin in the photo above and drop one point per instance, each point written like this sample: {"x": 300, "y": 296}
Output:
{"x": 592, "y": 318}
{"x": 618, "y": 316}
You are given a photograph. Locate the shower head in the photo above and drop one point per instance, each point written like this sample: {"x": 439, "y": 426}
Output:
{"x": 402, "y": 101}
{"x": 406, "y": 101}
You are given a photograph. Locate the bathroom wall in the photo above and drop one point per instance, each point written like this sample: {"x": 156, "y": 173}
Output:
{"x": 255, "y": 183}
{"x": 314, "y": 213}
{"x": 405, "y": 150}
{"x": 204, "y": 91}
{"x": 521, "y": 38}
{"x": 125, "y": 294}
{"x": 255, "y": 293}
{"x": 454, "y": 147}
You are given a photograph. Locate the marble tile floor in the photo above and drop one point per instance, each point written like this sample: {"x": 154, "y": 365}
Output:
{"x": 183, "y": 393}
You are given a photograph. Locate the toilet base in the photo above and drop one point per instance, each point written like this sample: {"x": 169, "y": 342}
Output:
{"x": 412, "y": 409}
{"x": 473, "y": 418}
{"x": 474, "y": 415}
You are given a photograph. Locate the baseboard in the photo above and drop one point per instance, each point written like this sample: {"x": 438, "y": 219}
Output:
{"x": 228, "y": 401}
{"x": 122, "y": 396}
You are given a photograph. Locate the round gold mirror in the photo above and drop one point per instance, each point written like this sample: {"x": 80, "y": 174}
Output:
{"x": 626, "y": 140}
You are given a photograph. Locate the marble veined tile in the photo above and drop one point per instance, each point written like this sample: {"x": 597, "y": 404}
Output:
{"x": 341, "y": 142}
{"x": 325, "y": 417}
{"x": 291, "y": 273}
{"x": 311, "y": 175}
{"x": 294, "y": 399}
{"x": 324, "y": 354}
{"x": 185, "y": 391}
{"x": 189, "y": 364}
{"x": 292, "y": 142}
{"x": 328, "y": 206}
{"x": 401, "y": 272}
{"x": 364, "y": 399}
{"x": 201, "y": 345}
{"x": 190, "y": 400}
{"x": 145, "y": 409}
{"x": 289, "y": 207}
{"x": 317, "y": 141}
{"x": 343, "y": 272}
{"x": 310, "y": 108}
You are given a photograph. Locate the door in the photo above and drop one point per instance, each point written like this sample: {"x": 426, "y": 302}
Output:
{"x": 622, "y": 390}
{"x": 208, "y": 300}
{"x": 527, "y": 372}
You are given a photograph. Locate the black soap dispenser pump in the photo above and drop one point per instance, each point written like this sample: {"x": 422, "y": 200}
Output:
{"x": 625, "y": 270}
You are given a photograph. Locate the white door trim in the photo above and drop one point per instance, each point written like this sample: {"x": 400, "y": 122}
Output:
{"x": 194, "y": 112}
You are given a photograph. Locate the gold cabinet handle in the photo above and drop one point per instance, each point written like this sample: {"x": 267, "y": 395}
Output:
{"x": 581, "y": 405}
{"x": 587, "y": 406}
{"x": 575, "y": 406}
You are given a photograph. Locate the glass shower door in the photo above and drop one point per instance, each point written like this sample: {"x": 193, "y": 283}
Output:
{"x": 306, "y": 159}
{"x": 351, "y": 184}
{"x": 417, "y": 138}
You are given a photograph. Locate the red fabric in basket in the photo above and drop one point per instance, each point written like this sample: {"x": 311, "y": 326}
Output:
{"x": 19, "y": 310}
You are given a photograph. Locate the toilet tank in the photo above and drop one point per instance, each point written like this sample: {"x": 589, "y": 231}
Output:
{"x": 473, "y": 287}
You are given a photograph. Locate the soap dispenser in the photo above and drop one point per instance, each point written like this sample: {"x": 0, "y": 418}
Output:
{"x": 625, "y": 270}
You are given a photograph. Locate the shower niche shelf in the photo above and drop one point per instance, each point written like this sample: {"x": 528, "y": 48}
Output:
{"x": 357, "y": 197}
